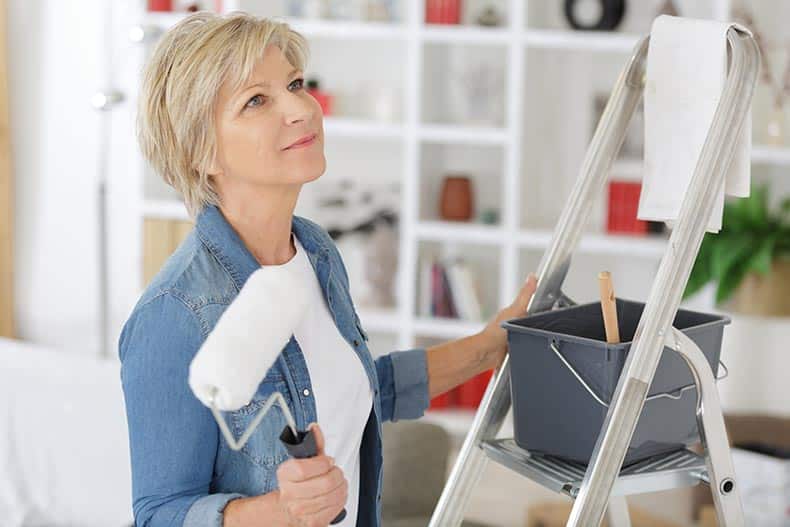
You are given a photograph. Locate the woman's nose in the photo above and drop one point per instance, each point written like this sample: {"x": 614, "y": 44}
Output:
{"x": 298, "y": 108}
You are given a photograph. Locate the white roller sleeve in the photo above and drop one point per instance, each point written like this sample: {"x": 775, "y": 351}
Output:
{"x": 248, "y": 337}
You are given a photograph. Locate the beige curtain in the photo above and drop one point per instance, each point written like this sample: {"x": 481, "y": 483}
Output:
{"x": 7, "y": 328}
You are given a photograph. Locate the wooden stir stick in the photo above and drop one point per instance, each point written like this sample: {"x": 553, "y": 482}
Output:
{"x": 609, "y": 307}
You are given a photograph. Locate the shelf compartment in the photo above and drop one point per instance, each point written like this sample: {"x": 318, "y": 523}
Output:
{"x": 483, "y": 262}
{"x": 561, "y": 113}
{"x": 637, "y": 19}
{"x": 483, "y": 165}
{"x": 464, "y": 84}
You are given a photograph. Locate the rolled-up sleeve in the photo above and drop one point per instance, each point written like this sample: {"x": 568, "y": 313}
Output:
{"x": 172, "y": 437}
{"x": 403, "y": 384}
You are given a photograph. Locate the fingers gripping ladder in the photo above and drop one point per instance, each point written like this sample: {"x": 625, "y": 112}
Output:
{"x": 600, "y": 489}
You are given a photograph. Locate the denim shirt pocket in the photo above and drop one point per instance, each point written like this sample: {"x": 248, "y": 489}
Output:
{"x": 264, "y": 448}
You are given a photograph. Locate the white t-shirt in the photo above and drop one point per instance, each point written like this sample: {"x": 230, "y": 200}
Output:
{"x": 341, "y": 388}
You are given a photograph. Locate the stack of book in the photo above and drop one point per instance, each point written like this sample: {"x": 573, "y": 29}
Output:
{"x": 622, "y": 208}
{"x": 466, "y": 395}
{"x": 449, "y": 290}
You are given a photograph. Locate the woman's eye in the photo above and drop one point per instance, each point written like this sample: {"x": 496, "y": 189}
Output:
{"x": 297, "y": 84}
{"x": 258, "y": 98}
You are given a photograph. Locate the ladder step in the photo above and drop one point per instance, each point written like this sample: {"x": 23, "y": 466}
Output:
{"x": 682, "y": 468}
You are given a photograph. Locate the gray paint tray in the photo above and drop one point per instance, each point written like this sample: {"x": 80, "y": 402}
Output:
{"x": 563, "y": 375}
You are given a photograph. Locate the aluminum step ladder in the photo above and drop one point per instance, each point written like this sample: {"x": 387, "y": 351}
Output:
{"x": 600, "y": 488}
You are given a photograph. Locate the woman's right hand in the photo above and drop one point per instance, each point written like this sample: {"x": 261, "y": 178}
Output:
{"x": 313, "y": 491}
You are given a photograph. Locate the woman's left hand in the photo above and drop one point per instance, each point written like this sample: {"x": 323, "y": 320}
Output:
{"x": 495, "y": 335}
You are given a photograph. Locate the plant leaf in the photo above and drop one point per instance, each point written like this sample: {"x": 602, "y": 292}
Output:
{"x": 747, "y": 214}
{"x": 784, "y": 211}
{"x": 727, "y": 252}
{"x": 731, "y": 280}
{"x": 734, "y": 219}
{"x": 757, "y": 206}
{"x": 730, "y": 263}
{"x": 701, "y": 271}
{"x": 760, "y": 261}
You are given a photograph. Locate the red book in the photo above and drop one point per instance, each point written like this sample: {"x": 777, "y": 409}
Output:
{"x": 471, "y": 392}
{"x": 623, "y": 207}
{"x": 635, "y": 226}
{"x": 454, "y": 12}
{"x": 430, "y": 11}
{"x": 611, "y": 217}
{"x": 444, "y": 400}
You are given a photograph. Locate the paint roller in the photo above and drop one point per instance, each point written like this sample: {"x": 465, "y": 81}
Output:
{"x": 244, "y": 344}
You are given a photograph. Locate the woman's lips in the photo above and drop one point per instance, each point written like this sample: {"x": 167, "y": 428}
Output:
{"x": 303, "y": 142}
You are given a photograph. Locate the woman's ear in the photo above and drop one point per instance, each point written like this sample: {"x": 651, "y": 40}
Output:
{"x": 212, "y": 167}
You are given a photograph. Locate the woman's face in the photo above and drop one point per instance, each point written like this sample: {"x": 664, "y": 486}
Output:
{"x": 270, "y": 132}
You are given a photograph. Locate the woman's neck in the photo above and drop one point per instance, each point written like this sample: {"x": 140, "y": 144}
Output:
{"x": 263, "y": 221}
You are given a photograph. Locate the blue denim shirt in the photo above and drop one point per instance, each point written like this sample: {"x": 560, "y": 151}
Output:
{"x": 183, "y": 471}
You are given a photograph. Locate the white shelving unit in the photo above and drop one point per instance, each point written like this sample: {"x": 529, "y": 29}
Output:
{"x": 517, "y": 40}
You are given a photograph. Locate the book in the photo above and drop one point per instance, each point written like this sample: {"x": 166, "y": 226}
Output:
{"x": 465, "y": 293}
{"x": 425, "y": 306}
{"x": 448, "y": 299}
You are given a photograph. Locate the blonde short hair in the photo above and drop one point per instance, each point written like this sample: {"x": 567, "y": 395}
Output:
{"x": 181, "y": 82}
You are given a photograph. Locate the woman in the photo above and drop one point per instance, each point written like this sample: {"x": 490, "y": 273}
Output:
{"x": 225, "y": 119}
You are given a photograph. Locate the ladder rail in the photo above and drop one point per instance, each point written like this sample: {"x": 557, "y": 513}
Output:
{"x": 713, "y": 433}
{"x": 553, "y": 268}
{"x": 667, "y": 289}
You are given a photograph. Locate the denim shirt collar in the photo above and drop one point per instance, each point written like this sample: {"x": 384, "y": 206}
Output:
{"x": 225, "y": 243}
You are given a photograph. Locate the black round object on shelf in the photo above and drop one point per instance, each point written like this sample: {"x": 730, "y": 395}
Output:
{"x": 610, "y": 16}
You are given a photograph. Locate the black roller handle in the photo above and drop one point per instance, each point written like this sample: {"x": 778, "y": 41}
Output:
{"x": 303, "y": 447}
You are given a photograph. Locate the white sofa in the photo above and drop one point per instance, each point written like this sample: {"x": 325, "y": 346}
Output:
{"x": 64, "y": 455}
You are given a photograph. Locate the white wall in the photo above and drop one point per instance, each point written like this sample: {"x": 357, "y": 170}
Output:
{"x": 55, "y": 65}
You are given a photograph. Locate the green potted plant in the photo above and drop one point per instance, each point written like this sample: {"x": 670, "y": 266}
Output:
{"x": 749, "y": 258}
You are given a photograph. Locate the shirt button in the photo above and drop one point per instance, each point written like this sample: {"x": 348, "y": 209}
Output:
{"x": 306, "y": 392}
{"x": 356, "y": 342}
